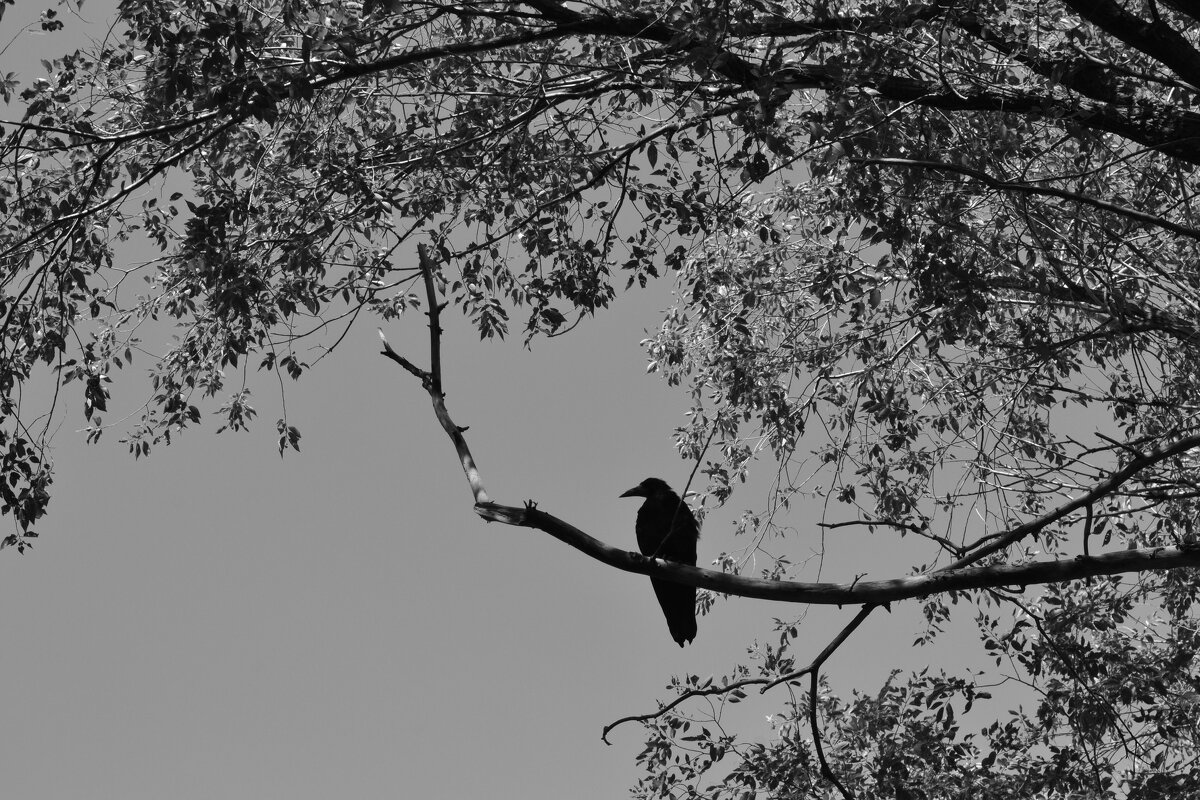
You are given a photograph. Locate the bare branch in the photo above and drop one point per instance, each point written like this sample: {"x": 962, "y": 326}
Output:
{"x": 428, "y": 265}
{"x": 958, "y": 576}
{"x": 421, "y": 374}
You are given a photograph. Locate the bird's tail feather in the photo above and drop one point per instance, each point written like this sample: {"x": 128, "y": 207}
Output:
{"x": 679, "y": 606}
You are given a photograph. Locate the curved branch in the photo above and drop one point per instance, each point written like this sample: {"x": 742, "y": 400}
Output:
{"x": 949, "y": 579}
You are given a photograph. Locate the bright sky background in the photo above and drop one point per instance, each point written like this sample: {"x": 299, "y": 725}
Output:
{"x": 215, "y": 622}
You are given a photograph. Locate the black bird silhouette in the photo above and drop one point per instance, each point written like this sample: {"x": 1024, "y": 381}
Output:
{"x": 666, "y": 529}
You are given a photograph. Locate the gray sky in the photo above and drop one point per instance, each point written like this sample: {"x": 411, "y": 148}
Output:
{"x": 217, "y": 622}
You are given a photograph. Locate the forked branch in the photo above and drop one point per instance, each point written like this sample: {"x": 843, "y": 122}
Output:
{"x": 432, "y": 380}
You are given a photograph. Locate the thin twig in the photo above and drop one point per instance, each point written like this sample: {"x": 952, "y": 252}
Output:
{"x": 685, "y": 696}
{"x": 766, "y": 683}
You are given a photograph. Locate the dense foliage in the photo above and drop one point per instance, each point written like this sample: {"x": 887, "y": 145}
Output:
{"x": 916, "y": 246}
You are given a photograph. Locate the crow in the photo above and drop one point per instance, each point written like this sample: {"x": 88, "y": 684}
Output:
{"x": 666, "y": 529}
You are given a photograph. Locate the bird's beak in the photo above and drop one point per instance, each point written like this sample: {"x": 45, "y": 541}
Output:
{"x": 634, "y": 492}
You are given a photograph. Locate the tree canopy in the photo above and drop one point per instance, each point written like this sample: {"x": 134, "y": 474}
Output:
{"x": 937, "y": 267}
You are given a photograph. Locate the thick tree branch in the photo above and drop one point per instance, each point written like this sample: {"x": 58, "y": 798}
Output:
{"x": 951, "y": 579}
{"x": 1161, "y": 127}
{"x": 955, "y": 577}
{"x": 1156, "y": 39}
{"x": 1095, "y": 80}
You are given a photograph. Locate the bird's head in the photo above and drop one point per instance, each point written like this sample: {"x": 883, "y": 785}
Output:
{"x": 651, "y": 487}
